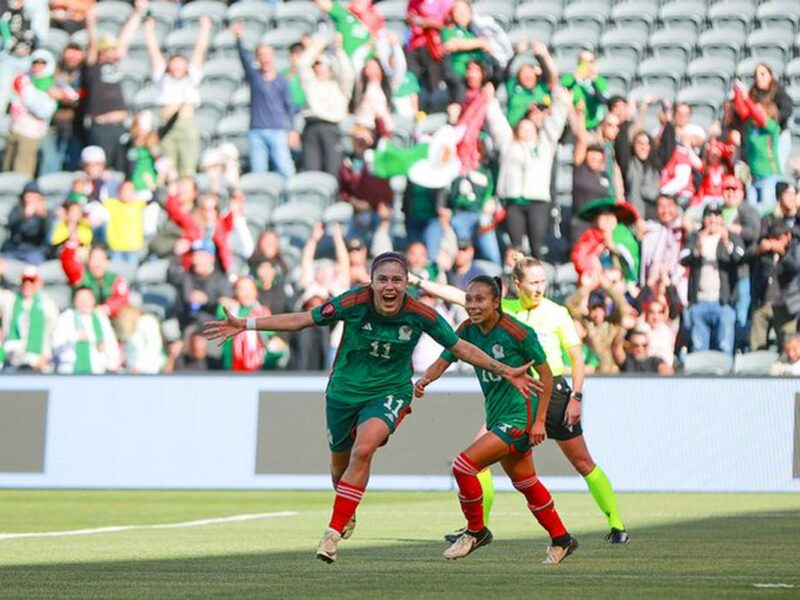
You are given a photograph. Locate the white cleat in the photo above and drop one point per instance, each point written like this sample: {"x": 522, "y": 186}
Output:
{"x": 467, "y": 543}
{"x": 555, "y": 554}
{"x": 326, "y": 551}
{"x": 349, "y": 528}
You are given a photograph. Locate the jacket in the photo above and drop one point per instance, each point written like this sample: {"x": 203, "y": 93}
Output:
{"x": 786, "y": 269}
{"x": 526, "y": 168}
{"x": 728, "y": 264}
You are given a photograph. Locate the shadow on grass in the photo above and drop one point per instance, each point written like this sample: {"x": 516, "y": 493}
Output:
{"x": 713, "y": 556}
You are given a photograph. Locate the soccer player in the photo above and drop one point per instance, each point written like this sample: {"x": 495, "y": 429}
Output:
{"x": 370, "y": 390}
{"x": 556, "y": 332}
{"x": 514, "y": 422}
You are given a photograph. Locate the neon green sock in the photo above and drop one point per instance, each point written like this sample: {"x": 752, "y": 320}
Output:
{"x": 603, "y": 494}
{"x": 487, "y": 485}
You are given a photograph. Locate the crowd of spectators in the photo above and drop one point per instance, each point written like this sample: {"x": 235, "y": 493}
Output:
{"x": 675, "y": 239}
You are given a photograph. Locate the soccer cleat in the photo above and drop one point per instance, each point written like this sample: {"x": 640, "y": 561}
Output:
{"x": 468, "y": 542}
{"x": 349, "y": 528}
{"x": 617, "y": 536}
{"x": 555, "y": 554}
{"x": 452, "y": 537}
{"x": 326, "y": 551}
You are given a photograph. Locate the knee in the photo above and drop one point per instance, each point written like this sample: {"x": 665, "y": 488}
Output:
{"x": 583, "y": 465}
{"x": 362, "y": 453}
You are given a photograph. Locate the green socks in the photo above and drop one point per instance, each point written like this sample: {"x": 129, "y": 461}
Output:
{"x": 487, "y": 485}
{"x": 603, "y": 494}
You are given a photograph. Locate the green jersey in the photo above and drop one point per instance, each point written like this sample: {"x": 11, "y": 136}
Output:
{"x": 356, "y": 37}
{"x": 762, "y": 147}
{"x": 520, "y": 99}
{"x": 460, "y": 60}
{"x": 374, "y": 356}
{"x": 592, "y": 94}
{"x": 471, "y": 191}
{"x": 514, "y": 344}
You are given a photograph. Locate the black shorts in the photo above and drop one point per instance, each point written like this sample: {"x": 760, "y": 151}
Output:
{"x": 555, "y": 423}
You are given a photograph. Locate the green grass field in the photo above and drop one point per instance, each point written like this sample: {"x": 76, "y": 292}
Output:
{"x": 686, "y": 545}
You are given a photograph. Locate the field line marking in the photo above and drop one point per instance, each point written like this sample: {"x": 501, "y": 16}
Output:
{"x": 118, "y": 528}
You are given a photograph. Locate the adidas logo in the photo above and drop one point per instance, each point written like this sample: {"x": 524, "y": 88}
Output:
{"x": 367, "y": 327}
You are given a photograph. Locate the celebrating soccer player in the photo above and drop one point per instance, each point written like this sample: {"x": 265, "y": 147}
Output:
{"x": 514, "y": 422}
{"x": 370, "y": 390}
{"x": 557, "y": 332}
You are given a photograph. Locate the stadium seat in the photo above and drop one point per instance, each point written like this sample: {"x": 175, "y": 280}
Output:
{"x": 711, "y": 71}
{"x": 732, "y": 13}
{"x": 11, "y": 184}
{"x": 635, "y": 14}
{"x": 705, "y": 101}
{"x": 162, "y": 295}
{"x": 777, "y": 15}
{"x": 340, "y": 212}
{"x": 171, "y": 330}
{"x": 191, "y": 13}
{"x": 619, "y": 71}
{"x": 793, "y": 71}
{"x": 7, "y": 204}
{"x": 258, "y": 212}
{"x": 684, "y": 14}
{"x": 725, "y": 42}
{"x": 262, "y": 187}
{"x": 755, "y": 363}
{"x": 541, "y": 17}
{"x": 123, "y": 269}
{"x": 568, "y": 42}
{"x": 60, "y": 294}
{"x": 312, "y": 187}
{"x": 773, "y": 45}
{"x": 182, "y": 41}
{"x": 56, "y": 186}
{"x": 233, "y": 127}
{"x": 587, "y": 14}
{"x": 152, "y": 271}
{"x": 298, "y": 15}
{"x": 623, "y": 42}
{"x": 57, "y": 40}
{"x": 661, "y": 71}
{"x": 224, "y": 73}
{"x": 13, "y": 274}
{"x": 294, "y": 221}
{"x": 145, "y": 99}
{"x": 490, "y": 268}
{"x": 223, "y": 44}
{"x": 566, "y": 279}
{"x": 280, "y": 39}
{"x": 250, "y": 13}
{"x": 676, "y": 43}
{"x": 164, "y": 12}
{"x": 708, "y": 362}
{"x": 112, "y": 14}
{"x": 52, "y": 272}
{"x": 528, "y": 33}
{"x": 500, "y": 10}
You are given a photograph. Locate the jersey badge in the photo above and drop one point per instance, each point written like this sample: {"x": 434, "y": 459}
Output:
{"x": 366, "y": 327}
{"x": 498, "y": 352}
{"x": 404, "y": 333}
{"x": 328, "y": 309}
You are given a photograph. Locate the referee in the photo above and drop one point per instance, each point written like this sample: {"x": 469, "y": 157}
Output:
{"x": 556, "y": 332}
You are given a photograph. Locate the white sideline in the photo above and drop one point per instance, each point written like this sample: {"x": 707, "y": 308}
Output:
{"x": 118, "y": 528}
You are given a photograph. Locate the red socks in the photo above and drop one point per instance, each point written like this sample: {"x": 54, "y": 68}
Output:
{"x": 470, "y": 492}
{"x": 540, "y": 502}
{"x": 347, "y": 499}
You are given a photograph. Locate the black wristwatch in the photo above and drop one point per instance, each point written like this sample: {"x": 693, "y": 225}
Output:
{"x": 577, "y": 395}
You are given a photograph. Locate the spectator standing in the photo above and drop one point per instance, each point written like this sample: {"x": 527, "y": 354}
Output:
{"x": 642, "y": 176}
{"x": 639, "y": 360}
{"x": 62, "y": 146}
{"x": 776, "y": 286}
{"x": 246, "y": 351}
{"x": 712, "y": 256}
{"x": 28, "y": 319}
{"x": 741, "y": 219}
{"x": 139, "y": 334}
{"x": 359, "y": 24}
{"x": 23, "y": 27}
{"x": 102, "y": 80}
{"x": 531, "y": 85}
{"x": 662, "y": 243}
{"x": 767, "y": 89}
{"x": 110, "y": 291}
{"x": 125, "y": 225}
{"x": 461, "y": 46}
{"x": 526, "y": 160}
{"x": 420, "y": 206}
{"x": 271, "y": 110}
{"x": 177, "y": 83}
{"x": 100, "y": 184}
{"x": 588, "y": 89}
{"x": 373, "y": 99}
{"x": 328, "y": 86}
{"x": 28, "y": 227}
{"x": 590, "y": 180}
{"x": 426, "y": 18}
{"x": 83, "y": 340}
{"x": 787, "y": 210}
{"x": 271, "y": 293}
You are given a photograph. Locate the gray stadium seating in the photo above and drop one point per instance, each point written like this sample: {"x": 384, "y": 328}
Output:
{"x": 61, "y": 294}
{"x": 500, "y": 10}
{"x": 57, "y": 39}
{"x": 282, "y": 38}
{"x": 755, "y": 363}
{"x": 52, "y": 272}
{"x": 684, "y": 14}
{"x": 55, "y": 186}
{"x": 635, "y": 14}
{"x": 705, "y": 101}
{"x": 112, "y": 14}
{"x": 732, "y": 13}
{"x": 181, "y": 41}
{"x": 295, "y": 220}
{"x": 708, "y": 362}
{"x": 267, "y": 188}
{"x": 340, "y": 212}
{"x": 224, "y": 73}
{"x": 312, "y": 187}
{"x": 727, "y": 42}
{"x": 488, "y": 267}
{"x": 662, "y": 71}
{"x": 677, "y": 43}
{"x": 587, "y": 14}
{"x": 568, "y": 42}
{"x": 773, "y": 45}
{"x": 711, "y": 71}
{"x": 541, "y": 17}
{"x": 793, "y": 71}
{"x": 299, "y": 14}
{"x": 191, "y": 13}
{"x": 152, "y": 271}
{"x": 623, "y": 42}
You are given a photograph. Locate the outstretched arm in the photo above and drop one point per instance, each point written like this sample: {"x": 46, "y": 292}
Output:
{"x": 432, "y": 373}
{"x": 448, "y": 293}
{"x": 519, "y": 377}
{"x": 222, "y": 330}
{"x": 130, "y": 27}
{"x": 157, "y": 62}
{"x": 203, "y": 40}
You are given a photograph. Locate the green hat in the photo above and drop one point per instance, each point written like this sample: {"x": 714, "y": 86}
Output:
{"x": 75, "y": 198}
{"x": 625, "y": 212}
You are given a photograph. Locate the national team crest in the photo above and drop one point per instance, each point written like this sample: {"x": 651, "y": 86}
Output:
{"x": 405, "y": 333}
{"x": 498, "y": 352}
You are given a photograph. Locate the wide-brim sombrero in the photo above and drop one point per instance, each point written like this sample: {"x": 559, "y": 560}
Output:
{"x": 624, "y": 211}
